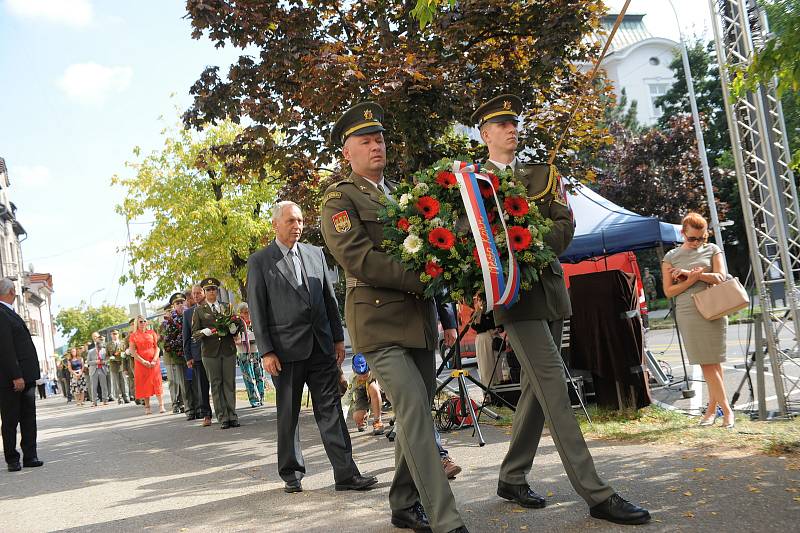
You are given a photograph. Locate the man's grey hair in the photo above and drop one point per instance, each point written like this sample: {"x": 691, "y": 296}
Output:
{"x": 242, "y": 306}
{"x": 278, "y": 208}
{"x": 6, "y": 286}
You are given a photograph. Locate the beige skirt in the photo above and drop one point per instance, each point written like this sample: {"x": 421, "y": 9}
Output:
{"x": 704, "y": 340}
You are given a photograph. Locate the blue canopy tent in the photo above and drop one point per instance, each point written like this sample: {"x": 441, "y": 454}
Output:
{"x": 604, "y": 228}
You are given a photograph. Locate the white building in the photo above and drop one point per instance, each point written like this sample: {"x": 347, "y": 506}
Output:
{"x": 10, "y": 232}
{"x": 33, "y": 290}
{"x": 639, "y": 63}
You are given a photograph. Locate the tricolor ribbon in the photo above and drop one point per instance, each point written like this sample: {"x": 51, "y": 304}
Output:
{"x": 499, "y": 289}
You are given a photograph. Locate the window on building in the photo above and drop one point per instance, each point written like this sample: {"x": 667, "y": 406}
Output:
{"x": 656, "y": 90}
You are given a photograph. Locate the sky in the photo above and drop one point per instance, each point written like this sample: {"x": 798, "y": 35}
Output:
{"x": 86, "y": 81}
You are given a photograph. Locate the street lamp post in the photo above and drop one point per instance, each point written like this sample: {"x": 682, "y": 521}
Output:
{"x": 91, "y": 295}
{"x": 698, "y": 132}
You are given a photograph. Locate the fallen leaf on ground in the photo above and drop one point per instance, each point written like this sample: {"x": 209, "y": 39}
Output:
{"x": 753, "y": 489}
{"x": 700, "y": 469}
{"x": 688, "y": 514}
{"x": 687, "y": 493}
{"x": 549, "y": 493}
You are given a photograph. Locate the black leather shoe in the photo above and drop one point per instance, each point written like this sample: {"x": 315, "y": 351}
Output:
{"x": 462, "y": 529}
{"x": 235, "y": 424}
{"x": 225, "y": 425}
{"x": 357, "y": 482}
{"x": 14, "y": 467}
{"x": 413, "y": 517}
{"x": 620, "y": 511}
{"x": 293, "y": 486}
{"x": 521, "y": 494}
{"x": 191, "y": 417}
{"x": 32, "y": 463}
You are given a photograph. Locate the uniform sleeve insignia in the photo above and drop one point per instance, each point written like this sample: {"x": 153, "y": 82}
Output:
{"x": 341, "y": 222}
{"x": 333, "y": 195}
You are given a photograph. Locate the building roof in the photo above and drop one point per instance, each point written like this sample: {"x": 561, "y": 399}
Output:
{"x": 44, "y": 279}
{"x": 631, "y": 31}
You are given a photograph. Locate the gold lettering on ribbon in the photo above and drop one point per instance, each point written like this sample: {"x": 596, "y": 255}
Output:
{"x": 485, "y": 233}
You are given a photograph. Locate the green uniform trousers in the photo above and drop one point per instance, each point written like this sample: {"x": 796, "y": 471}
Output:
{"x": 544, "y": 396}
{"x": 407, "y": 376}
{"x": 221, "y": 372}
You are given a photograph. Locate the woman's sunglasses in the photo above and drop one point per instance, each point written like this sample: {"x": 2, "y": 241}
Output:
{"x": 695, "y": 239}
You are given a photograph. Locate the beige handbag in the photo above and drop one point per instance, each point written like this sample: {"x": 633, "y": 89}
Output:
{"x": 721, "y": 300}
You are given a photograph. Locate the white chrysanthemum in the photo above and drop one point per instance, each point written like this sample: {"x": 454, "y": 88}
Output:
{"x": 404, "y": 199}
{"x": 412, "y": 244}
{"x": 421, "y": 188}
{"x": 436, "y": 222}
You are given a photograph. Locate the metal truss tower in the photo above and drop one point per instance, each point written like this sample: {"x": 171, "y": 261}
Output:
{"x": 768, "y": 194}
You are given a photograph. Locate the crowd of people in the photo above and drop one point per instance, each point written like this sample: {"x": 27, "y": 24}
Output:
{"x": 291, "y": 329}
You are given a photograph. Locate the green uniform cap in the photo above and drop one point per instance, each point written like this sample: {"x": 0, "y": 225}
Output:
{"x": 210, "y": 282}
{"x": 499, "y": 109}
{"x": 177, "y": 297}
{"x": 360, "y": 119}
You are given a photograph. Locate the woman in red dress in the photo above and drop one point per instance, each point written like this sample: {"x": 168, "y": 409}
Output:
{"x": 143, "y": 344}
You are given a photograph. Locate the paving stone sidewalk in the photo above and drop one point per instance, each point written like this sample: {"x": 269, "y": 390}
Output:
{"x": 113, "y": 469}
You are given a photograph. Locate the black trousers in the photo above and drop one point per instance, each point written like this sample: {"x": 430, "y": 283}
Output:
{"x": 18, "y": 409}
{"x": 201, "y": 389}
{"x": 321, "y": 375}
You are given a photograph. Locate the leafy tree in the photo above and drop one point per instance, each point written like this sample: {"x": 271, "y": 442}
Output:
{"x": 657, "y": 173}
{"x": 206, "y": 219}
{"x": 623, "y": 113}
{"x": 79, "y": 322}
{"x": 304, "y": 63}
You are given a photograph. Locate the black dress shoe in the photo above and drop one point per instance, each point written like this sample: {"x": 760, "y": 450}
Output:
{"x": 235, "y": 424}
{"x": 620, "y": 511}
{"x": 521, "y": 494}
{"x": 225, "y": 425}
{"x": 32, "y": 463}
{"x": 293, "y": 486}
{"x": 14, "y": 467}
{"x": 413, "y": 517}
{"x": 357, "y": 482}
{"x": 191, "y": 417}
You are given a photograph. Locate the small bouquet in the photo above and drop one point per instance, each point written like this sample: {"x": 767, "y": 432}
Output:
{"x": 172, "y": 330}
{"x": 224, "y": 325}
{"x": 467, "y": 231}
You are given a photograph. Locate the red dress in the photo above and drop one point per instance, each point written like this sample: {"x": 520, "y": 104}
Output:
{"x": 147, "y": 380}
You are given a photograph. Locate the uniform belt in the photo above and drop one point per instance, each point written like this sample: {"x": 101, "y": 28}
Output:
{"x": 353, "y": 282}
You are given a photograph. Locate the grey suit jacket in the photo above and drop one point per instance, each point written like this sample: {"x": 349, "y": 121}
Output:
{"x": 287, "y": 317}
{"x": 91, "y": 361}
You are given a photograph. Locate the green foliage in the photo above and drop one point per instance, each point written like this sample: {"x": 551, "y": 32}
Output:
{"x": 308, "y": 62}
{"x": 79, "y": 322}
{"x": 779, "y": 58}
{"x": 623, "y": 113}
{"x": 207, "y": 220}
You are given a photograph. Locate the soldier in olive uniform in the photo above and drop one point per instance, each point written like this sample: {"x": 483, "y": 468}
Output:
{"x": 176, "y": 363}
{"x": 533, "y": 325}
{"x": 388, "y": 320}
{"x": 218, "y": 354}
{"x": 115, "y": 349}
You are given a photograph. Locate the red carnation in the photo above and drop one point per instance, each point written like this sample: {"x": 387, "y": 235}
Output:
{"x": 520, "y": 237}
{"x": 446, "y": 179}
{"x": 403, "y": 224}
{"x": 486, "y": 190}
{"x": 491, "y": 214}
{"x": 475, "y": 256}
{"x": 442, "y": 238}
{"x": 516, "y": 206}
{"x": 432, "y": 269}
{"x": 428, "y": 206}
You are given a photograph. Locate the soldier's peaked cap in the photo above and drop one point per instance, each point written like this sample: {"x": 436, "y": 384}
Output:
{"x": 499, "y": 109}
{"x": 361, "y": 119}
{"x": 210, "y": 282}
{"x": 177, "y": 297}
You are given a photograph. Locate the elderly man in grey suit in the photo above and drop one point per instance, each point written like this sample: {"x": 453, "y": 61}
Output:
{"x": 299, "y": 332}
{"x": 98, "y": 369}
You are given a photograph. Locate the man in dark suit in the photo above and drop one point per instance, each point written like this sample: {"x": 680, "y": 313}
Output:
{"x": 299, "y": 333}
{"x": 533, "y": 326}
{"x": 191, "y": 351}
{"x": 19, "y": 370}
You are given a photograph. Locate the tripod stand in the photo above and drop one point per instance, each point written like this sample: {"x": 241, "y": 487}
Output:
{"x": 458, "y": 373}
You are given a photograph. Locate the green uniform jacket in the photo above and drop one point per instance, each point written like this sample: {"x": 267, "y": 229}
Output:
{"x": 547, "y": 299}
{"x": 214, "y": 345}
{"x": 114, "y": 353}
{"x": 383, "y": 304}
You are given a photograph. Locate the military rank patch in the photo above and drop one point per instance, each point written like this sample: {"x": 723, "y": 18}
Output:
{"x": 333, "y": 195}
{"x": 341, "y": 222}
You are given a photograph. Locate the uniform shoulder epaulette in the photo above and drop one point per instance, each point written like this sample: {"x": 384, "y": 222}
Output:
{"x": 342, "y": 182}
{"x": 331, "y": 193}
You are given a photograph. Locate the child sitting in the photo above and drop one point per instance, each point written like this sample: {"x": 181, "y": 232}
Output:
{"x": 365, "y": 395}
